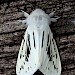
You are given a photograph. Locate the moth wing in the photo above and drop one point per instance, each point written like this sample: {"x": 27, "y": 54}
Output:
{"x": 51, "y": 64}
{"x": 26, "y": 62}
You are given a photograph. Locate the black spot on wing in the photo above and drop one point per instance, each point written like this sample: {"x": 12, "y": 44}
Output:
{"x": 28, "y": 51}
{"x": 48, "y": 51}
{"x": 28, "y": 68}
{"x": 52, "y": 40}
{"x": 35, "y": 64}
{"x": 20, "y": 56}
{"x": 23, "y": 55}
{"x": 55, "y": 66}
{"x": 42, "y": 38}
{"x": 53, "y": 62}
{"x": 22, "y": 67}
{"x": 34, "y": 39}
{"x": 49, "y": 54}
{"x": 26, "y": 59}
{"x": 48, "y": 68}
{"x": 50, "y": 59}
{"x": 24, "y": 63}
{"x": 56, "y": 55}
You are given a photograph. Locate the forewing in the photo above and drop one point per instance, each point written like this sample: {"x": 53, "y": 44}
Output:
{"x": 27, "y": 61}
{"x": 51, "y": 62}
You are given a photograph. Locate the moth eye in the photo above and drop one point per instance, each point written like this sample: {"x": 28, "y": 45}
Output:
{"x": 42, "y": 38}
{"x": 35, "y": 17}
{"x": 40, "y": 17}
{"x": 34, "y": 39}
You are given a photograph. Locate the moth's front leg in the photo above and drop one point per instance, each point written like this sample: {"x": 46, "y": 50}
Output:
{"x": 25, "y": 14}
{"x": 54, "y": 19}
{"x": 22, "y": 21}
{"x": 52, "y": 14}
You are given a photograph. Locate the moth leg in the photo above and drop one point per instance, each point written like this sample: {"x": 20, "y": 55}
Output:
{"x": 52, "y": 14}
{"x": 22, "y": 21}
{"x": 25, "y": 14}
{"x": 54, "y": 19}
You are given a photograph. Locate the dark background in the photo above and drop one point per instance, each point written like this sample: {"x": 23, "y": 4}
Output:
{"x": 11, "y": 33}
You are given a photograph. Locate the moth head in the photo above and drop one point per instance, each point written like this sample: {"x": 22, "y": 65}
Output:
{"x": 38, "y": 18}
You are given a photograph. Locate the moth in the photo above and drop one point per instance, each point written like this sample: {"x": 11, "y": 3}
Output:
{"x": 38, "y": 48}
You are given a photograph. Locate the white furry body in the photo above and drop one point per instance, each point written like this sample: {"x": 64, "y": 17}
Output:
{"x": 38, "y": 48}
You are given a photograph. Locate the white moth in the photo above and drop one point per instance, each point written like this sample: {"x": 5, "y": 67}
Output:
{"x": 38, "y": 48}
